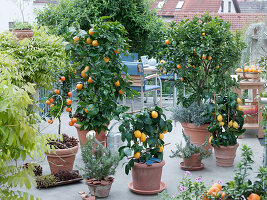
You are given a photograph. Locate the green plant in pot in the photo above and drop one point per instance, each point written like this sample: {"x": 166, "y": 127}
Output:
{"x": 202, "y": 52}
{"x": 191, "y": 154}
{"x": 99, "y": 165}
{"x": 22, "y": 30}
{"x": 144, "y": 133}
{"x": 227, "y": 124}
{"x": 95, "y": 57}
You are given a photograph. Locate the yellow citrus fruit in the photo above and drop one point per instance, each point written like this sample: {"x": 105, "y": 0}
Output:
{"x": 154, "y": 114}
{"x": 203, "y": 34}
{"x": 91, "y": 31}
{"x": 106, "y": 59}
{"x": 95, "y": 43}
{"x": 167, "y": 42}
{"x": 166, "y": 131}
{"x": 217, "y": 67}
{"x": 117, "y": 83}
{"x": 68, "y": 102}
{"x": 90, "y": 80}
{"x": 194, "y": 66}
{"x": 179, "y": 66}
{"x": 143, "y": 137}
{"x": 137, "y": 155}
{"x": 87, "y": 68}
{"x": 162, "y": 61}
{"x": 238, "y": 100}
{"x": 219, "y": 117}
{"x": 76, "y": 38}
{"x": 164, "y": 72}
{"x": 182, "y": 79}
{"x": 121, "y": 92}
{"x": 89, "y": 41}
{"x": 161, "y": 147}
{"x": 85, "y": 110}
{"x": 209, "y": 58}
{"x": 239, "y": 108}
{"x": 211, "y": 137}
{"x": 83, "y": 74}
{"x": 230, "y": 124}
{"x": 161, "y": 136}
{"x": 137, "y": 134}
{"x": 239, "y": 69}
{"x": 221, "y": 123}
{"x": 79, "y": 86}
{"x": 235, "y": 125}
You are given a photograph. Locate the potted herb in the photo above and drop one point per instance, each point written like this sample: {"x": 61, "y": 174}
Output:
{"x": 22, "y": 30}
{"x": 227, "y": 125}
{"x": 99, "y": 164}
{"x": 144, "y": 133}
{"x": 191, "y": 154}
{"x": 95, "y": 57}
{"x": 64, "y": 148}
{"x": 202, "y": 52}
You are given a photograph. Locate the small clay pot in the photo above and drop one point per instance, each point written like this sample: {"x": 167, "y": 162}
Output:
{"x": 101, "y": 137}
{"x": 198, "y": 135}
{"x": 100, "y": 190}
{"x": 22, "y": 34}
{"x": 193, "y": 161}
{"x": 225, "y": 155}
{"x": 62, "y": 159}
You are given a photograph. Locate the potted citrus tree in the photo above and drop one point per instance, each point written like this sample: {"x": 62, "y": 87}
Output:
{"x": 227, "y": 125}
{"x": 191, "y": 154}
{"x": 202, "y": 52}
{"x": 144, "y": 134}
{"x": 95, "y": 58}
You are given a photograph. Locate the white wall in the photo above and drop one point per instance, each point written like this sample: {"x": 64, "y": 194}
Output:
{"x": 226, "y": 4}
{"x": 9, "y": 12}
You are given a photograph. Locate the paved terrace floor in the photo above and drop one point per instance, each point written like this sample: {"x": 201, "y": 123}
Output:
{"x": 171, "y": 175}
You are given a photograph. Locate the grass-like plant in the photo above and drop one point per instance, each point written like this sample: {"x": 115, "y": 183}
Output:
{"x": 21, "y": 26}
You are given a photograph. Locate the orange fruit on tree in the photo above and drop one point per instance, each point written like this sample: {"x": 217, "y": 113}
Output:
{"x": 209, "y": 58}
{"x": 166, "y": 131}
{"x": 90, "y": 80}
{"x": 250, "y": 70}
{"x": 137, "y": 134}
{"x": 51, "y": 100}
{"x": 79, "y": 86}
{"x": 194, "y": 66}
{"x": 83, "y": 74}
{"x": 95, "y": 43}
{"x": 204, "y": 57}
{"x": 117, "y": 83}
{"x": 68, "y": 102}
{"x": 253, "y": 196}
{"x": 143, "y": 137}
{"x": 203, "y": 34}
{"x": 164, "y": 72}
{"x": 71, "y": 123}
{"x": 161, "y": 136}
{"x": 161, "y": 147}
{"x": 86, "y": 111}
{"x": 154, "y": 114}
{"x": 74, "y": 120}
{"x": 137, "y": 155}
{"x": 211, "y": 137}
{"x": 217, "y": 67}
{"x": 213, "y": 191}
{"x": 217, "y": 185}
{"x": 69, "y": 94}
{"x": 47, "y": 102}
{"x": 182, "y": 79}
{"x": 51, "y": 106}
{"x": 68, "y": 109}
{"x": 50, "y": 121}
{"x": 116, "y": 51}
{"x": 121, "y": 92}
{"x": 75, "y": 71}
{"x": 179, "y": 66}
{"x": 239, "y": 69}
{"x": 57, "y": 91}
{"x": 204, "y": 197}
{"x": 91, "y": 31}
{"x": 246, "y": 69}
{"x": 76, "y": 38}
{"x": 89, "y": 41}
{"x": 87, "y": 68}
{"x": 106, "y": 59}
{"x": 167, "y": 42}
{"x": 62, "y": 78}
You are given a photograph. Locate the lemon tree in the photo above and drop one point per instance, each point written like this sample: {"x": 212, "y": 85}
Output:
{"x": 227, "y": 119}
{"x": 143, "y": 133}
{"x": 95, "y": 58}
{"x": 203, "y": 52}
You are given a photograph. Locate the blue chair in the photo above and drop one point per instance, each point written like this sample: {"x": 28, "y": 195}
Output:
{"x": 130, "y": 58}
{"x": 136, "y": 73}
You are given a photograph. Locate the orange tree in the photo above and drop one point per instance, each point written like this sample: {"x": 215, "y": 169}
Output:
{"x": 203, "y": 52}
{"x": 144, "y": 134}
{"x": 95, "y": 57}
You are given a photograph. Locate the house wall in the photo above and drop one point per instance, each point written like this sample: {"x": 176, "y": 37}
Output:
{"x": 226, "y": 5}
{"x": 9, "y": 12}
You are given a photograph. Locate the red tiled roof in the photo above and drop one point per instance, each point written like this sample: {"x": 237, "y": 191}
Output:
{"x": 201, "y": 6}
{"x": 238, "y": 21}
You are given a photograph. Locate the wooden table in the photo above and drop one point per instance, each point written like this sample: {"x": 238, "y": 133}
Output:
{"x": 257, "y": 87}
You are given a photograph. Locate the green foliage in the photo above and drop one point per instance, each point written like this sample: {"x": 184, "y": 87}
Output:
{"x": 203, "y": 52}
{"x": 192, "y": 114}
{"x": 18, "y": 135}
{"x": 39, "y": 60}
{"x": 226, "y": 131}
{"x": 99, "y": 162}
{"x": 21, "y": 26}
{"x": 144, "y": 27}
{"x": 189, "y": 149}
{"x": 46, "y": 181}
{"x": 97, "y": 101}
{"x": 151, "y": 128}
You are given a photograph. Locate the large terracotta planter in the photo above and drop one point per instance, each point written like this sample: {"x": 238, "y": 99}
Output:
{"x": 197, "y": 134}
{"x": 101, "y": 137}
{"x": 146, "y": 178}
{"x": 193, "y": 161}
{"x": 22, "y": 34}
{"x": 62, "y": 159}
{"x": 100, "y": 190}
{"x": 225, "y": 155}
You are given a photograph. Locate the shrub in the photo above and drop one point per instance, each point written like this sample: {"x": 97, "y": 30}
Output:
{"x": 46, "y": 181}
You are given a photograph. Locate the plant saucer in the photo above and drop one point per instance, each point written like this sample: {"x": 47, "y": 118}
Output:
{"x": 162, "y": 187}
{"x": 187, "y": 168}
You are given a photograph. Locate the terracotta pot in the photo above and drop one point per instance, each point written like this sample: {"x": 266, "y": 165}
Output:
{"x": 225, "y": 156}
{"x": 62, "y": 159}
{"x": 101, "y": 137}
{"x": 22, "y": 34}
{"x": 197, "y": 134}
{"x": 99, "y": 190}
{"x": 193, "y": 161}
{"x": 146, "y": 178}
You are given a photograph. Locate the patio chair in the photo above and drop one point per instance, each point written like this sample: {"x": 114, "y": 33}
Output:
{"x": 136, "y": 72}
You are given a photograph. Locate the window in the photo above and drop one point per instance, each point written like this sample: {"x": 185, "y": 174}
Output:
{"x": 229, "y": 6}
{"x": 222, "y": 5}
{"x": 179, "y": 5}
